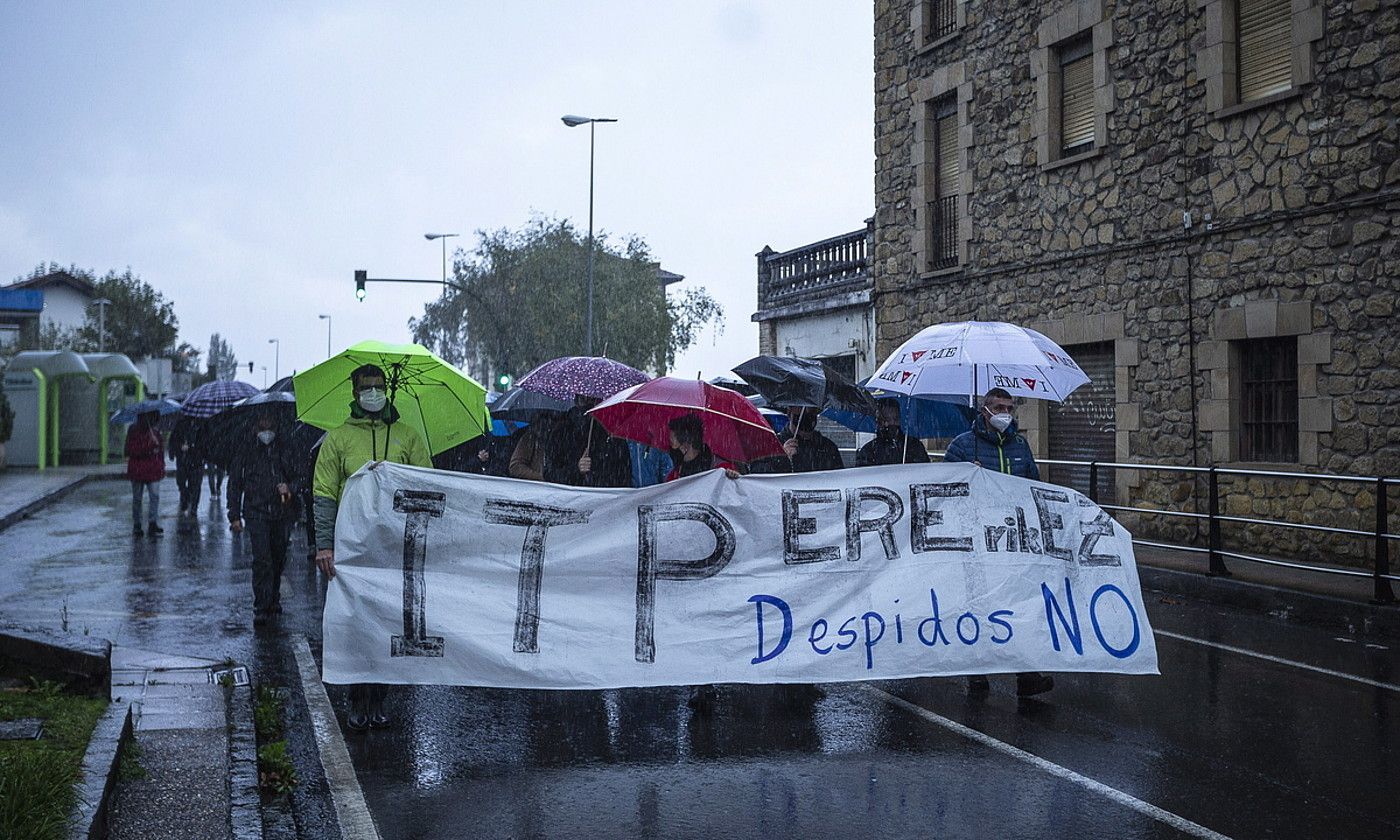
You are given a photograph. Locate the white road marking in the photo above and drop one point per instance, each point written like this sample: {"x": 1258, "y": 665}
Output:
{"x": 1280, "y": 660}
{"x": 1146, "y": 808}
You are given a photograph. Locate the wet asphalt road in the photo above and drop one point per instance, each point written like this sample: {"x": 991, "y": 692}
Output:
{"x": 1234, "y": 743}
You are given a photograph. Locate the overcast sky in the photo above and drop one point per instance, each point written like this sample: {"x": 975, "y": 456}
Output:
{"x": 246, "y": 161}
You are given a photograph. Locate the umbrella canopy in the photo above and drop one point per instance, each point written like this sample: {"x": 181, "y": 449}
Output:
{"x": 232, "y": 430}
{"x": 283, "y": 384}
{"x": 445, "y": 405}
{"x": 920, "y": 417}
{"x": 777, "y": 419}
{"x": 212, "y": 397}
{"x": 521, "y": 405}
{"x": 131, "y": 412}
{"x": 734, "y": 429}
{"x": 590, "y": 376}
{"x": 798, "y": 382}
{"x": 969, "y": 358}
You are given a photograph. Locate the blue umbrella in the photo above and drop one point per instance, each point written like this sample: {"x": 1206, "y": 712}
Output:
{"x": 130, "y": 413}
{"x": 919, "y": 417}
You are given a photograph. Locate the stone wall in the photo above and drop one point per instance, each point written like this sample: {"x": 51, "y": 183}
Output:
{"x": 1294, "y": 211}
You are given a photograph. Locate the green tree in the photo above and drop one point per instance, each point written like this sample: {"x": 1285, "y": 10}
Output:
{"x": 223, "y": 363}
{"x": 525, "y": 302}
{"x": 139, "y": 321}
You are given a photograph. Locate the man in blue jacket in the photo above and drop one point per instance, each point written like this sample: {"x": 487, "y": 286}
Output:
{"x": 994, "y": 443}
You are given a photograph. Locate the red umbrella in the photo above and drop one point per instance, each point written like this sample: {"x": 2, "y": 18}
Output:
{"x": 734, "y": 429}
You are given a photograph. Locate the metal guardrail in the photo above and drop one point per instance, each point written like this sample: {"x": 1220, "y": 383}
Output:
{"x": 1381, "y": 535}
{"x": 1380, "y": 572}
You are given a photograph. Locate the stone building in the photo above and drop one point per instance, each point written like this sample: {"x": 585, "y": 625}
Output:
{"x": 1197, "y": 198}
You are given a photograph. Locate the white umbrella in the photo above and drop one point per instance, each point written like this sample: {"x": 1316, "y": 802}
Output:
{"x": 970, "y": 358}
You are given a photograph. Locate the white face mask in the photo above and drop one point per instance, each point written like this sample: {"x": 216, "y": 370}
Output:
{"x": 1001, "y": 422}
{"x": 372, "y": 400}
{"x": 266, "y": 436}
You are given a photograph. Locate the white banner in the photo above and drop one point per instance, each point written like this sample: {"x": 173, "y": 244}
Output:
{"x": 874, "y": 573}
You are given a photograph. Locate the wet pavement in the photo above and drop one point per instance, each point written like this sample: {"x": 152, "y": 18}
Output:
{"x": 1291, "y": 733}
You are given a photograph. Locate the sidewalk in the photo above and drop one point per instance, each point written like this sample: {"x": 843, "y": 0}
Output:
{"x": 196, "y": 750}
{"x": 24, "y": 491}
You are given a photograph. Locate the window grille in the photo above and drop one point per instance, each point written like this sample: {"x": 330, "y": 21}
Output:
{"x": 943, "y": 210}
{"x": 1269, "y": 400}
{"x": 943, "y": 18}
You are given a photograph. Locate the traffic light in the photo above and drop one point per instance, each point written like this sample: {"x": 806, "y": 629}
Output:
{"x": 250, "y": 367}
{"x": 360, "y": 278}
{"x": 503, "y": 381}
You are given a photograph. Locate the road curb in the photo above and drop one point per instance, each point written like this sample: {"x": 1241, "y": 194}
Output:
{"x": 98, "y": 776}
{"x": 351, "y": 810}
{"x": 1324, "y": 611}
{"x": 244, "y": 799}
{"x": 81, "y": 661}
{"x": 25, "y": 511}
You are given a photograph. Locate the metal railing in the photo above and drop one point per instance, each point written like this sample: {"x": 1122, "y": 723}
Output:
{"x": 828, "y": 263}
{"x": 1380, "y": 535}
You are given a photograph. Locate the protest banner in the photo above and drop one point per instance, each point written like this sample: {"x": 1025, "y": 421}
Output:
{"x": 874, "y": 573}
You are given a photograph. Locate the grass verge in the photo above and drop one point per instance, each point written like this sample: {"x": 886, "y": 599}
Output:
{"x": 37, "y": 777}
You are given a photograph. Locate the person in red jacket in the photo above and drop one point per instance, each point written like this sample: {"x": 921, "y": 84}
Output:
{"x": 145, "y": 467}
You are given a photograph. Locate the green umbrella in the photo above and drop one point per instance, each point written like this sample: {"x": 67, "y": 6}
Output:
{"x": 445, "y": 405}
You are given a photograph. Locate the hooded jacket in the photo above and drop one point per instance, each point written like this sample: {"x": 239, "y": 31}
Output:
{"x": 360, "y": 440}
{"x": 891, "y": 446}
{"x": 145, "y": 453}
{"x": 253, "y": 480}
{"x": 1006, "y": 452}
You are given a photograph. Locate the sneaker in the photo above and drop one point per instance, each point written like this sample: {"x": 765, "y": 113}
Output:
{"x": 136, "y": 532}
{"x": 378, "y": 717}
{"x": 357, "y": 720}
{"x": 154, "y": 530}
{"x": 1029, "y": 685}
{"x": 978, "y": 684}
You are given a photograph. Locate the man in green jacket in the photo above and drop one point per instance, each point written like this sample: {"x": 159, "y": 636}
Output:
{"x": 371, "y": 434}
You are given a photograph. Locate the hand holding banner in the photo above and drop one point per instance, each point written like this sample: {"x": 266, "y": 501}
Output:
{"x": 874, "y": 573}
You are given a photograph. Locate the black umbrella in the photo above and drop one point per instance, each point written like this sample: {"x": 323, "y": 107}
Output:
{"x": 797, "y": 382}
{"x": 521, "y": 406}
{"x": 233, "y": 429}
{"x": 283, "y": 384}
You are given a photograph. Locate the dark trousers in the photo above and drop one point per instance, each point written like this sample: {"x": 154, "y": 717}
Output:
{"x": 268, "y": 539}
{"x": 216, "y": 479}
{"x": 367, "y": 695}
{"x": 189, "y": 478}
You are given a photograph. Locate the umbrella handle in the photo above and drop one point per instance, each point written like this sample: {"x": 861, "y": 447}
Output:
{"x": 588, "y": 447}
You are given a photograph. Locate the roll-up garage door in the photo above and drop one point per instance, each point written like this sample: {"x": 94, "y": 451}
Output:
{"x": 1083, "y": 427}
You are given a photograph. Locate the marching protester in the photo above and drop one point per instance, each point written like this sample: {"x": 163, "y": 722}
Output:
{"x": 581, "y": 453}
{"x": 689, "y": 451}
{"x": 808, "y": 449}
{"x": 891, "y": 445}
{"x": 370, "y": 434}
{"x": 216, "y": 479}
{"x": 993, "y": 442}
{"x": 262, "y": 499}
{"x": 527, "y": 457}
{"x": 649, "y": 464}
{"x": 189, "y": 463}
{"x": 145, "y": 468}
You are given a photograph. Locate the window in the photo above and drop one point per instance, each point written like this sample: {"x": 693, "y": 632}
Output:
{"x": 1265, "y": 41}
{"x": 942, "y": 19}
{"x": 1269, "y": 400}
{"x": 943, "y": 210}
{"x": 1076, "y": 96}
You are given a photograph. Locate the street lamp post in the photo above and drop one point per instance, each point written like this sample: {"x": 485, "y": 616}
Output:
{"x": 102, "y": 304}
{"x": 277, "y": 358}
{"x": 444, "y": 237}
{"x": 264, "y": 370}
{"x": 573, "y": 121}
{"x": 327, "y": 319}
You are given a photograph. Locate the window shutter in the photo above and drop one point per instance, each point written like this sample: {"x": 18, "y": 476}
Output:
{"x": 1077, "y": 103}
{"x": 948, "y": 171}
{"x": 1265, "y": 51}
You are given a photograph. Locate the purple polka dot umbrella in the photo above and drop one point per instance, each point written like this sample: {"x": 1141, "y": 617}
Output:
{"x": 590, "y": 376}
